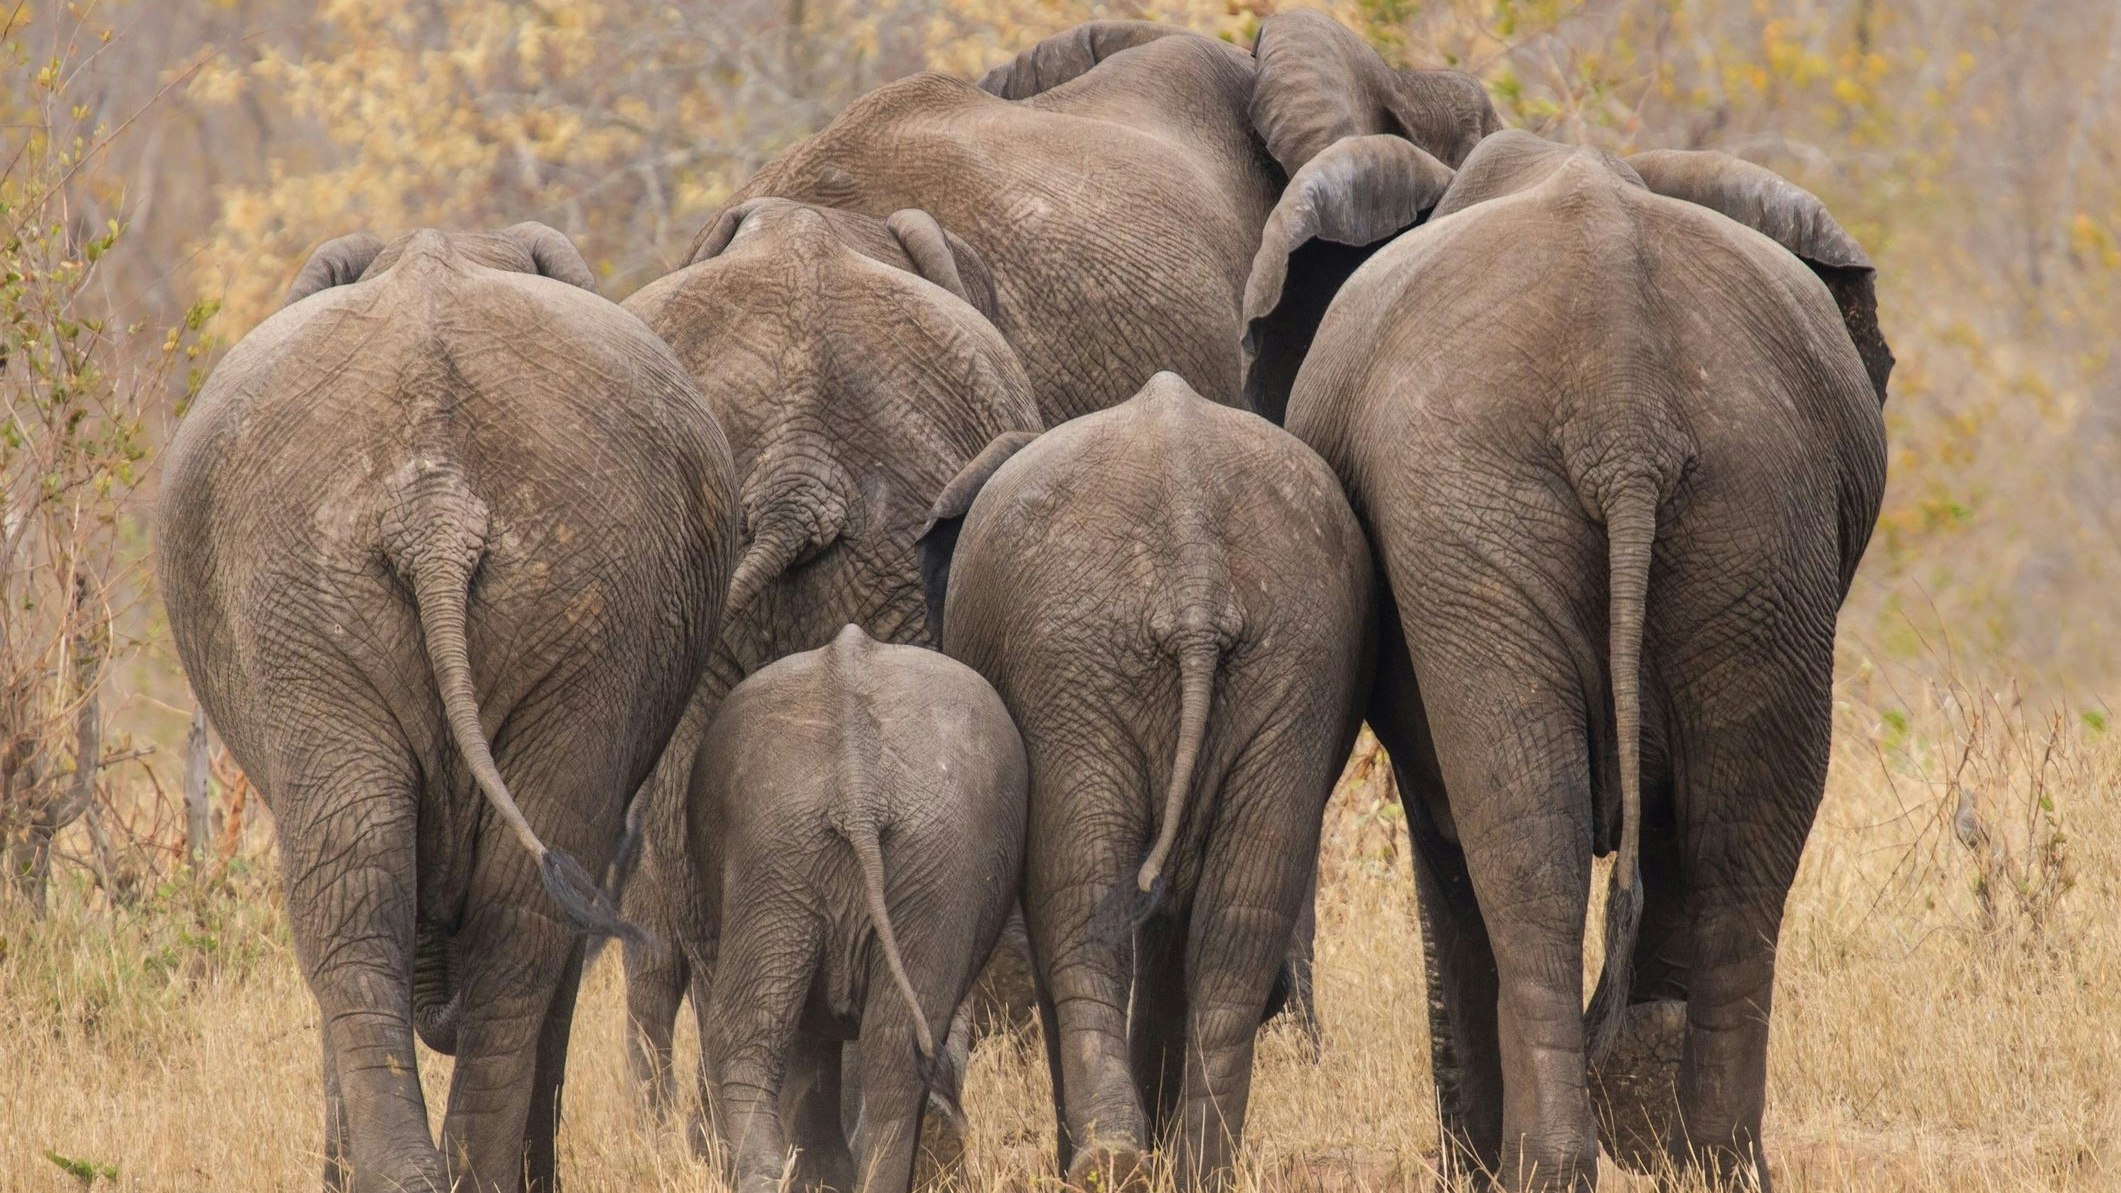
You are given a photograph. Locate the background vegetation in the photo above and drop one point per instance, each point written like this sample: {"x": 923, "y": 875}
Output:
{"x": 166, "y": 166}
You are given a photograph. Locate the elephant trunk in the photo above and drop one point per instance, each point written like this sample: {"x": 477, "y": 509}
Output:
{"x": 435, "y": 537}
{"x": 1197, "y": 660}
{"x": 1631, "y": 533}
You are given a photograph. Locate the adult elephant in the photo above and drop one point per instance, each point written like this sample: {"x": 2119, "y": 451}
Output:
{"x": 848, "y": 359}
{"x": 444, "y": 544}
{"x": 1115, "y": 179}
{"x": 1173, "y": 599}
{"x": 1613, "y": 427}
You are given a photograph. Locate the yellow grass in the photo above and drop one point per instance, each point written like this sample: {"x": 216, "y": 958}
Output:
{"x": 1920, "y": 1043}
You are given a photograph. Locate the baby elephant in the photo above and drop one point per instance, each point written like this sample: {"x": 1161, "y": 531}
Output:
{"x": 858, "y": 815}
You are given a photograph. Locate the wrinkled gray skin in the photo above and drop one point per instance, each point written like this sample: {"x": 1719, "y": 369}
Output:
{"x": 846, "y": 360}
{"x": 1114, "y": 178}
{"x": 1113, "y": 181}
{"x": 1172, "y": 597}
{"x": 858, "y": 818}
{"x": 1619, "y": 454}
{"x": 443, "y": 544}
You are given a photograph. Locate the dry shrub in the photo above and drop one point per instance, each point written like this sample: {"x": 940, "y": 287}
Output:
{"x": 78, "y": 388}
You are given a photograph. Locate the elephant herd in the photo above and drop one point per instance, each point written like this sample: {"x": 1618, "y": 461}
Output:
{"x": 1014, "y": 508}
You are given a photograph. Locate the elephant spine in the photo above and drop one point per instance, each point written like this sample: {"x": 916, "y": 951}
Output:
{"x": 435, "y": 543}
{"x": 1631, "y": 535}
{"x": 1197, "y": 661}
{"x": 860, "y": 745}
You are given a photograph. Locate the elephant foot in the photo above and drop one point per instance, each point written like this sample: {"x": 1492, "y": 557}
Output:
{"x": 1107, "y": 1168}
{"x": 698, "y": 1137}
{"x": 942, "y": 1146}
{"x": 1635, "y": 1091}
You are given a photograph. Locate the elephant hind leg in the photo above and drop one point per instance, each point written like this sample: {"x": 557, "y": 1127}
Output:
{"x": 1465, "y": 1047}
{"x": 1256, "y": 872}
{"x": 894, "y": 1097}
{"x": 811, "y": 1106}
{"x": 1077, "y": 903}
{"x": 1156, "y": 1028}
{"x": 1634, "y": 1090}
{"x": 338, "y": 1137}
{"x": 766, "y": 961}
{"x": 657, "y": 974}
{"x": 541, "y": 1170}
{"x": 521, "y": 966}
{"x": 1520, "y": 795}
{"x": 1748, "y": 790}
{"x": 348, "y": 836}
{"x": 1465, "y": 1043}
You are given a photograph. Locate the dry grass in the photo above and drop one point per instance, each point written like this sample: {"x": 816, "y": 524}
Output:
{"x": 1946, "y": 1019}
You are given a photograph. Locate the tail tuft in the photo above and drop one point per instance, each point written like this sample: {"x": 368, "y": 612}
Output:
{"x": 1149, "y": 900}
{"x": 587, "y": 906}
{"x": 939, "y": 1077}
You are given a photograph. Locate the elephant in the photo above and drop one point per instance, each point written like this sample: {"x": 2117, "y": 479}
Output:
{"x": 857, "y": 813}
{"x": 443, "y": 544}
{"x": 1115, "y": 179}
{"x": 847, "y": 360}
{"x": 1173, "y": 599}
{"x": 1613, "y": 428}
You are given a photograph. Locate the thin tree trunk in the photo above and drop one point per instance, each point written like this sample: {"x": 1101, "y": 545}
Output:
{"x": 30, "y": 856}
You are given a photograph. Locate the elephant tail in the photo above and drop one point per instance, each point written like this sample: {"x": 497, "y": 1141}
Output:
{"x": 1631, "y": 534}
{"x": 770, "y": 554}
{"x": 869, "y": 855}
{"x": 1197, "y": 660}
{"x": 794, "y": 513}
{"x": 436, "y": 538}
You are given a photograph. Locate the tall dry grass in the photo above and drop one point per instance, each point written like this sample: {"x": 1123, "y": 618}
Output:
{"x": 1945, "y": 1016}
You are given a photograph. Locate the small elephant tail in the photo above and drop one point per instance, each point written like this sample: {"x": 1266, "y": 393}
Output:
{"x": 869, "y": 855}
{"x": 1631, "y": 534}
{"x": 436, "y": 540}
{"x": 1197, "y": 660}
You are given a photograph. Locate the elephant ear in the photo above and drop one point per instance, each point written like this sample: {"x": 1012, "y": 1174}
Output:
{"x": 1320, "y": 82}
{"x": 552, "y": 254}
{"x": 1065, "y": 56}
{"x": 1792, "y": 217}
{"x": 1343, "y": 206}
{"x": 715, "y": 239}
{"x": 938, "y": 537}
{"x": 336, "y": 262}
{"x": 942, "y": 258}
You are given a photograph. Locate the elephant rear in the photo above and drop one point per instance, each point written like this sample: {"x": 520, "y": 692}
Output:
{"x": 1613, "y": 425}
{"x": 1171, "y": 597}
{"x": 442, "y": 544}
{"x": 857, "y": 812}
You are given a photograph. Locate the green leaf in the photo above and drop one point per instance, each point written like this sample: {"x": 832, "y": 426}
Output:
{"x": 85, "y": 1171}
